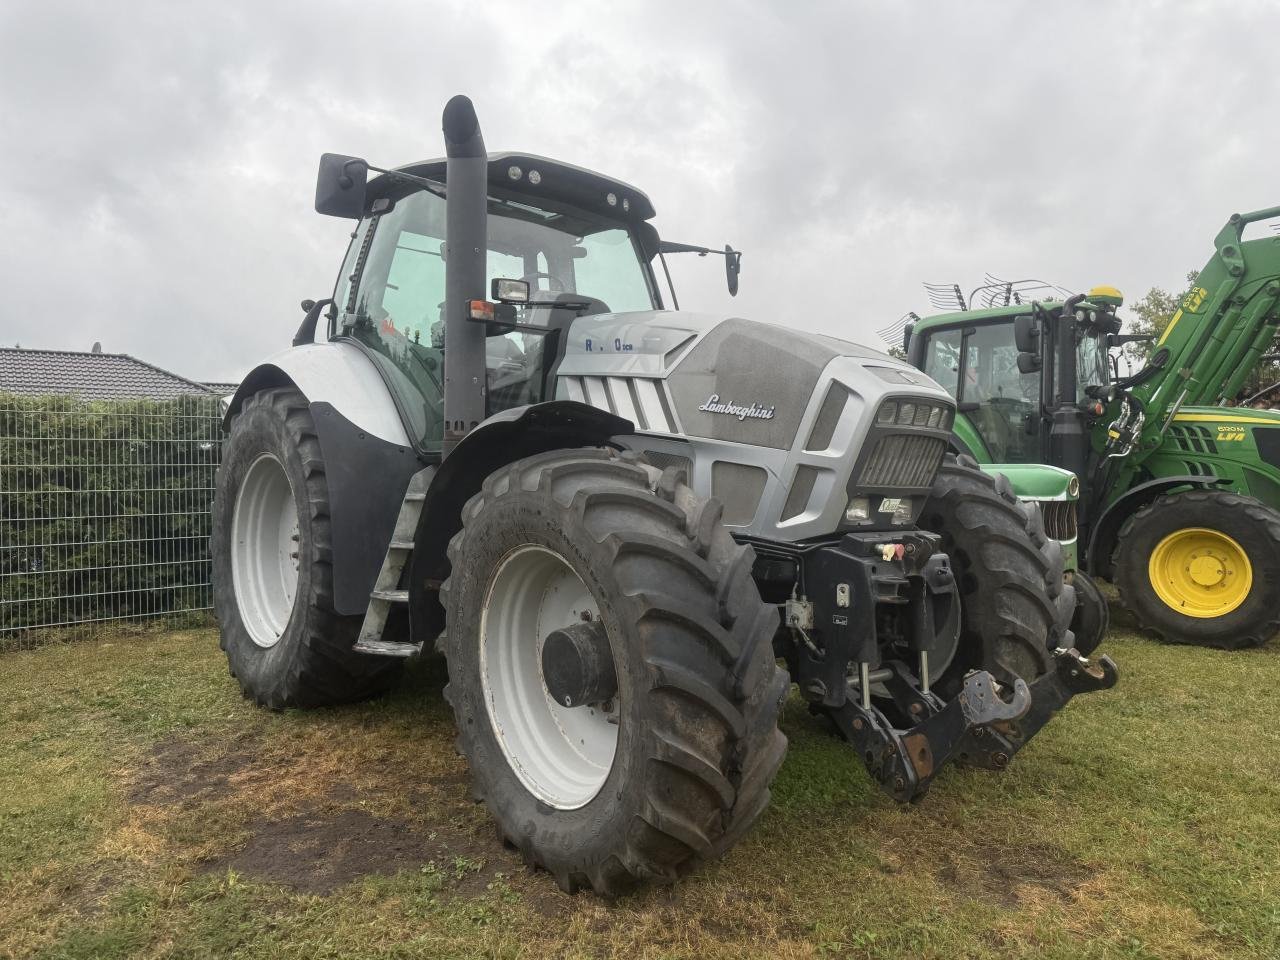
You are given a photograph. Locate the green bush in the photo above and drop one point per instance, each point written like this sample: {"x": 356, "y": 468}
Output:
{"x": 104, "y": 508}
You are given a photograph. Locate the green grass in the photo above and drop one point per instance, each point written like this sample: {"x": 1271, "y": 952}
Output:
{"x": 146, "y": 810}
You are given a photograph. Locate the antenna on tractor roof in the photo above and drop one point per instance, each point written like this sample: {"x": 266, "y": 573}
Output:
{"x": 892, "y": 334}
{"x": 995, "y": 292}
{"x": 945, "y": 296}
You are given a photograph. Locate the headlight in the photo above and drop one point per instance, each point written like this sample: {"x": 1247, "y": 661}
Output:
{"x": 858, "y": 510}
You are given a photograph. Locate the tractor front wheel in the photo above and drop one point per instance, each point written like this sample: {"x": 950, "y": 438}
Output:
{"x": 1202, "y": 567}
{"x": 1015, "y": 608}
{"x": 611, "y": 669}
{"x": 1092, "y": 618}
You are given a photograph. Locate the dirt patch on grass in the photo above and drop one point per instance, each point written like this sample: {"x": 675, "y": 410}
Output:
{"x": 320, "y": 838}
{"x": 175, "y": 770}
{"x": 319, "y": 850}
{"x": 986, "y": 870}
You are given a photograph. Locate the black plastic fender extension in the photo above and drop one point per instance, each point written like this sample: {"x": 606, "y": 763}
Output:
{"x": 978, "y": 727}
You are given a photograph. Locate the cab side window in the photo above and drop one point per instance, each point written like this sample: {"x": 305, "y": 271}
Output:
{"x": 942, "y": 359}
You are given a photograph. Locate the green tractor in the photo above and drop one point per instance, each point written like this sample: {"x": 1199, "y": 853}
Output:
{"x": 1180, "y": 493}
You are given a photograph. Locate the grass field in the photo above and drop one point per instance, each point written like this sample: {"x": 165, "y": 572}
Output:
{"x": 146, "y": 810}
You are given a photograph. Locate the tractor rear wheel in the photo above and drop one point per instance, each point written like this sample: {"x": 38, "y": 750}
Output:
{"x": 1202, "y": 567}
{"x": 611, "y": 669}
{"x": 1015, "y": 608}
{"x": 1092, "y": 618}
{"x": 272, "y": 572}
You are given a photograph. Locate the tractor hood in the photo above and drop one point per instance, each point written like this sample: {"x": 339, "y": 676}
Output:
{"x": 722, "y": 378}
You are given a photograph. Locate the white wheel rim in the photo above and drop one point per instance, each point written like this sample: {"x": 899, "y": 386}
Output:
{"x": 562, "y": 755}
{"x": 264, "y": 552}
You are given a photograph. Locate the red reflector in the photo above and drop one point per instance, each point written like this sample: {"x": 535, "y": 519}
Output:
{"x": 481, "y": 310}
{"x": 898, "y": 551}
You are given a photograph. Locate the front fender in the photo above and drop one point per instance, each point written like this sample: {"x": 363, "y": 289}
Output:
{"x": 501, "y": 439}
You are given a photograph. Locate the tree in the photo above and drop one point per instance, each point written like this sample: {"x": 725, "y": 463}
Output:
{"x": 1150, "y": 316}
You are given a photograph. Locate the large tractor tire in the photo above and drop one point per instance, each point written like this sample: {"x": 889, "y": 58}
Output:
{"x": 272, "y": 569}
{"x": 1202, "y": 567}
{"x": 1015, "y": 608}
{"x": 668, "y": 744}
{"x": 1092, "y": 618}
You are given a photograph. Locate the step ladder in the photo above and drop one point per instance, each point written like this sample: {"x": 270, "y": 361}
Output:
{"x": 386, "y": 589}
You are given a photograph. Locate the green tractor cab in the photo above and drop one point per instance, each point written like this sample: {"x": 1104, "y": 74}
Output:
{"x": 1180, "y": 493}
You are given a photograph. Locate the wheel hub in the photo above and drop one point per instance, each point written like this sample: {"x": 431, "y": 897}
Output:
{"x": 1207, "y": 570}
{"x": 1200, "y": 572}
{"x": 577, "y": 665}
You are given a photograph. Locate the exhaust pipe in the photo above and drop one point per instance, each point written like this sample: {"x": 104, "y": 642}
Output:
{"x": 465, "y": 264}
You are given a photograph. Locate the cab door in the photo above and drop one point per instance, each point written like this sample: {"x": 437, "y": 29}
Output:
{"x": 978, "y": 365}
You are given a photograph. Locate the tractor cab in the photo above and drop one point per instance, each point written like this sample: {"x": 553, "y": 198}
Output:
{"x": 564, "y": 241}
{"x": 1019, "y": 371}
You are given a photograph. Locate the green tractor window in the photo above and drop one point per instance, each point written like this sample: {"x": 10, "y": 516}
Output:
{"x": 1002, "y": 403}
{"x": 942, "y": 361}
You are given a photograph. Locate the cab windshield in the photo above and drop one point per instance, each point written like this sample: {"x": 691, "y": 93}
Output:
{"x": 574, "y": 262}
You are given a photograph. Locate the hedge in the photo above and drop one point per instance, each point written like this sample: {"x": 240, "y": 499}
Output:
{"x": 104, "y": 509}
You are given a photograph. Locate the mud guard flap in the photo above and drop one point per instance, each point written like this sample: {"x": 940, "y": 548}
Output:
{"x": 978, "y": 727}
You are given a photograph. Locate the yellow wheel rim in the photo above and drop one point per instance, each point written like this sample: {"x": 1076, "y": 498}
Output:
{"x": 1200, "y": 572}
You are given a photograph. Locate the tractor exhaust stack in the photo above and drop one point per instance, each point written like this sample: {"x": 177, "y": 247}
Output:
{"x": 466, "y": 212}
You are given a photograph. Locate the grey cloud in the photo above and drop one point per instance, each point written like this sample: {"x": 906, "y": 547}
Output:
{"x": 156, "y": 180}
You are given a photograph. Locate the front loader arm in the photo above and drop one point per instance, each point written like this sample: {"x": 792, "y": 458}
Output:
{"x": 1222, "y": 326}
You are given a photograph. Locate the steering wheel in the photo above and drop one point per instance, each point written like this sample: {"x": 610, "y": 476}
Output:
{"x": 554, "y": 283}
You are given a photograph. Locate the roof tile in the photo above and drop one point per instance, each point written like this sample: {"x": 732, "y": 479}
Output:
{"x": 92, "y": 376}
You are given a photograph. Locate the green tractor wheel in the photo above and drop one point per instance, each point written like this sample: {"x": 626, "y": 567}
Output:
{"x": 1202, "y": 567}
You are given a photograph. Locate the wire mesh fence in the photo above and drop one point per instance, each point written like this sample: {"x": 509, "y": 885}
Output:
{"x": 105, "y": 514}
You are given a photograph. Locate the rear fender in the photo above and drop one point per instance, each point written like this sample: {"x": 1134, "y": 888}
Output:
{"x": 335, "y": 373}
{"x": 501, "y": 439}
{"x": 367, "y": 454}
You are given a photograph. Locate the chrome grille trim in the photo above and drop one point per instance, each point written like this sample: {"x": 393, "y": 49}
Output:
{"x": 1059, "y": 519}
{"x": 639, "y": 399}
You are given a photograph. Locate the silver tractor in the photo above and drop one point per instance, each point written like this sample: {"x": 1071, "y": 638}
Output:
{"x": 614, "y": 521}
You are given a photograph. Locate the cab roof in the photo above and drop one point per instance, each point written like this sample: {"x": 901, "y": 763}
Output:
{"x": 563, "y": 182}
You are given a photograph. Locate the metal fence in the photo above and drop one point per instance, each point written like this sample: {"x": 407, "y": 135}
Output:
{"x": 105, "y": 513}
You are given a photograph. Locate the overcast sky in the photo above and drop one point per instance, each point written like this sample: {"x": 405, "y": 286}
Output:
{"x": 158, "y": 162}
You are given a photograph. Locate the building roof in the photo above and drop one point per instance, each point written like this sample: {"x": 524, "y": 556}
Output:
{"x": 92, "y": 376}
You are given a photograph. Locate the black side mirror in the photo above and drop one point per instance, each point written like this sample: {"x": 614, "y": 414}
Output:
{"x": 340, "y": 186}
{"x": 732, "y": 267}
{"x": 1120, "y": 339}
{"x": 1026, "y": 334}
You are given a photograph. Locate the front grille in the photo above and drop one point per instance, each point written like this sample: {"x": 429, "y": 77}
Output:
{"x": 1059, "y": 519}
{"x": 903, "y": 460}
{"x": 664, "y": 460}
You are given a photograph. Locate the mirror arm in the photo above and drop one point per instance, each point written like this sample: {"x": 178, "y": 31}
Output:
{"x": 431, "y": 186}
{"x": 307, "y": 330}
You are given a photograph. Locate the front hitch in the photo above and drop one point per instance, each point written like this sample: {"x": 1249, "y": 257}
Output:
{"x": 977, "y": 727}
